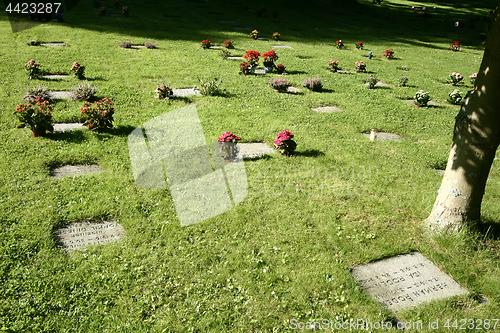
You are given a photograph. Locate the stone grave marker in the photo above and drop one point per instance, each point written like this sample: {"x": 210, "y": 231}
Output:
{"x": 384, "y": 136}
{"x": 185, "y": 92}
{"x": 59, "y": 94}
{"x": 78, "y": 235}
{"x": 63, "y": 127}
{"x": 74, "y": 170}
{"x": 224, "y": 21}
{"x": 254, "y": 150}
{"x": 55, "y": 76}
{"x": 282, "y": 46}
{"x": 260, "y": 71}
{"x": 405, "y": 281}
{"x": 54, "y": 44}
{"x": 293, "y": 90}
{"x": 327, "y": 109}
{"x": 235, "y": 58}
{"x": 242, "y": 28}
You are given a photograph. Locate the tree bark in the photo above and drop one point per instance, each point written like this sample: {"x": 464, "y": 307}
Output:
{"x": 475, "y": 141}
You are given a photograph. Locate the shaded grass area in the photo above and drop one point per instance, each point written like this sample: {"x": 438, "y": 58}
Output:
{"x": 286, "y": 251}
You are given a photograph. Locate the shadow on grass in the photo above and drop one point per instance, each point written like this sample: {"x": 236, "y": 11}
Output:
{"x": 122, "y": 130}
{"x": 489, "y": 229}
{"x": 295, "y": 72}
{"x": 76, "y": 136}
{"x": 309, "y": 153}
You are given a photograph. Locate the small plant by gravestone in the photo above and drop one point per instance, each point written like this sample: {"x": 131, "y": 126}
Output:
{"x": 455, "y": 46}
{"x": 98, "y": 116}
{"x": 279, "y": 85}
{"x": 229, "y": 44}
{"x": 389, "y": 54}
{"x": 402, "y": 81}
{"x": 360, "y": 66}
{"x": 455, "y": 97}
{"x": 454, "y": 79}
{"x": 79, "y": 70}
{"x": 314, "y": 84}
{"x": 421, "y": 98}
{"x": 37, "y": 116}
{"x": 284, "y": 143}
{"x": 276, "y": 36}
{"x": 280, "y": 68}
{"x": 39, "y": 92}
{"x": 333, "y": 65}
{"x": 205, "y": 44}
{"x": 164, "y": 92}
{"x": 126, "y": 45}
{"x": 254, "y": 34}
{"x": 33, "y": 69}
{"x": 209, "y": 87}
{"x": 245, "y": 68}
{"x": 371, "y": 82}
{"x": 83, "y": 92}
{"x": 359, "y": 45}
{"x": 228, "y": 145}
{"x": 150, "y": 45}
{"x": 224, "y": 54}
{"x": 473, "y": 78}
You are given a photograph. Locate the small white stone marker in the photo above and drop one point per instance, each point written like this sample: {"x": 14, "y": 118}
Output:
{"x": 74, "y": 170}
{"x": 406, "y": 281}
{"x": 254, "y": 150}
{"x": 235, "y": 58}
{"x": 63, "y": 127}
{"x": 384, "y": 136}
{"x": 327, "y": 109}
{"x": 54, "y": 44}
{"x": 79, "y": 235}
{"x": 185, "y": 92}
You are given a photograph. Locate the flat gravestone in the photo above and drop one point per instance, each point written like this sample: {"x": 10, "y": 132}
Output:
{"x": 185, "y": 92}
{"x": 282, "y": 46}
{"x": 224, "y": 21}
{"x": 293, "y": 90}
{"x": 440, "y": 172}
{"x": 327, "y": 109}
{"x": 254, "y": 150}
{"x": 384, "y": 136}
{"x": 74, "y": 170}
{"x": 381, "y": 84}
{"x": 78, "y": 235}
{"x": 341, "y": 71}
{"x": 235, "y": 58}
{"x": 242, "y": 28}
{"x": 55, "y": 76}
{"x": 406, "y": 281}
{"x": 412, "y": 101}
{"x": 260, "y": 71}
{"x": 59, "y": 94}
{"x": 63, "y": 127}
{"x": 54, "y": 44}
{"x": 262, "y": 38}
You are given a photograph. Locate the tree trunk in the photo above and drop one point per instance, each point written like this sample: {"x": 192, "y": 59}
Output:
{"x": 475, "y": 141}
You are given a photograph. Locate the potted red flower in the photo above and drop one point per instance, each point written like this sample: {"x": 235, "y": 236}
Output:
{"x": 269, "y": 58}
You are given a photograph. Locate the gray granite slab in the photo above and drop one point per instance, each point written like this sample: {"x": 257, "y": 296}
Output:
{"x": 260, "y": 71}
{"x": 293, "y": 90}
{"x": 406, "y": 281}
{"x": 384, "y": 136}
{"x": 79, "y": 235}
{"x": 54, "y": 44}
{"x": 185, "y": 92}
{"x": 55, "y": 76}
{"x": 235, "y": 58}
{"x": 433, "y": 103}
{"x": 63, "y": 127}
{"x": 254, "y": 150}
{"x": 327, "y": 109}
{"x": 224, "y": 21}
{"x": 59, "y": 94}
{"x": 74, "y": 170}
{"x": 282, "y": 46}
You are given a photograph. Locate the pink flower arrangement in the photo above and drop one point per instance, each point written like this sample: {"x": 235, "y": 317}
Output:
{"x": 473, "y": 78}
{"x": 33, "y": 69}
{"x": 228, "y": 137}
{"x": 79, "y": 70}
{"x": 284, "y": 142}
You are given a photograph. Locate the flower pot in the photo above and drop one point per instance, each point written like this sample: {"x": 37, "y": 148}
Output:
{"x": 268, "y": 69}
{"x": 38, "y": 132}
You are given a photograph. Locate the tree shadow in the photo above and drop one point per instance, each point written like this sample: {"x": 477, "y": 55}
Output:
{"x": 489, "y": 229}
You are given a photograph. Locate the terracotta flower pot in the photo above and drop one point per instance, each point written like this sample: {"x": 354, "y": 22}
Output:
{"x": 38, "y": 133}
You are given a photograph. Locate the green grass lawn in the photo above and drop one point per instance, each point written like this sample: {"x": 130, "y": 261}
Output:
{"x": 286, "y": 251}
